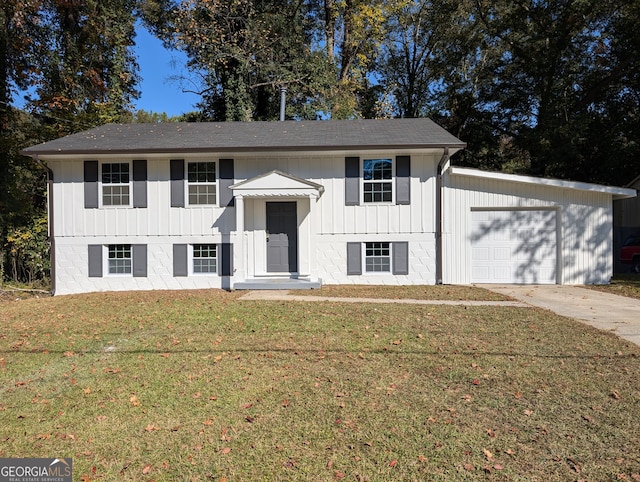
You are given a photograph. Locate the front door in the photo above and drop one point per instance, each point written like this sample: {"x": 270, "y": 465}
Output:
{"x": 282, "y": 237}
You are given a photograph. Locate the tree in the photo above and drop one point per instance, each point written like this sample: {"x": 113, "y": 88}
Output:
{"x": 88, "y": 73}
{"x": 76, "y": 57}
{"x": 547, "y": 68}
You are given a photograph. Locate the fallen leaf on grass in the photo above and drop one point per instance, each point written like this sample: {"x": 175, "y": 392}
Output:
{"x": 469, "y": 467}
{"x": 528, "y": 413}
{"x": 225, "y": 450}
{"x": 487, "y": 454}
{"x": 134, "y": 401}
{"x": 147, "y": 468}
{"x": 151, "y": 428}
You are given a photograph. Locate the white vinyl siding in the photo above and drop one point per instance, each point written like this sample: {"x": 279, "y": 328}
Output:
{"x": 584, "y": 225}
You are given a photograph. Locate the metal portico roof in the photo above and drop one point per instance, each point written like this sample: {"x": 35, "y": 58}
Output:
{"x": 252, "y": 136}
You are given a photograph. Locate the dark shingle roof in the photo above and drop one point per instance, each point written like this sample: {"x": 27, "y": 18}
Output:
{"x": 251, "y": 136}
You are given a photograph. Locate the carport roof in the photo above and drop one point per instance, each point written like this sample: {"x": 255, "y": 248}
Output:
{"x": 251, "y": 136}
{"x": 616, "y": 192}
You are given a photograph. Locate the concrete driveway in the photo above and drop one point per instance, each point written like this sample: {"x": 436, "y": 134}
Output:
{"x": 618, "y": 314}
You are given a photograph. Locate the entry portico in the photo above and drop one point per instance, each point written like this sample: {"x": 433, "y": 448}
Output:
{"x": 275, "y": 230}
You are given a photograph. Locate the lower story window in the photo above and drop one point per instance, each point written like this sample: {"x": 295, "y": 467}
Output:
{"x": 119, "y": 259}
{"x": 205, "y": 258}
{"x": 378, "y": 257}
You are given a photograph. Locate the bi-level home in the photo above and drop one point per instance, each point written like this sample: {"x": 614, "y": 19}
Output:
{"x": 301, "y": 204}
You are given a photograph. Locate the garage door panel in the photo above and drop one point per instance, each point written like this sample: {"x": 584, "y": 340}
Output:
{"x": 517, "y": 246}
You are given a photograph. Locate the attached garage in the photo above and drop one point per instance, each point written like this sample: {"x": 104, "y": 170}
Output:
{"x": 514, "y": 246}
{"x": 505, "y": 228}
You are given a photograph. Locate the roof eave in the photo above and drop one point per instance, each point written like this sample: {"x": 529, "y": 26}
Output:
{"x": 33, "y": 151}
{"x": 616, "y": 192}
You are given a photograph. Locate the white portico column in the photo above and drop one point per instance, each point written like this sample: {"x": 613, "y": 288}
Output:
{"x": 239, "y": 247}
{"x": 311, "y": 236}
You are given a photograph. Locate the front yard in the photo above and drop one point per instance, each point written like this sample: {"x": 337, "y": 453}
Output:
{"x": 200, "y": 385}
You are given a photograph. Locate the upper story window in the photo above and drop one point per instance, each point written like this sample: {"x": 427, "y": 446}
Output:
{"x": 377, "y": 175}
{"x": 201, "y": 181}
{"x": 116, "y": 186}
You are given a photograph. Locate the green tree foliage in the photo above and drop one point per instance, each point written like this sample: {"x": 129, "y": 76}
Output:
{"x": 88, "y": 73}
{"x": 243, "y": 52}
{"x": 540, "y": 86}
{"x": 76, "y": 59}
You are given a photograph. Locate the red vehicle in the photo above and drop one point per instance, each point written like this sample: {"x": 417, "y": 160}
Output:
{"x": 630, "y": 252}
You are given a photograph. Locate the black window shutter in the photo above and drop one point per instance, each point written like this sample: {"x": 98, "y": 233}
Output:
{"x": 226, "y": 259}
{"x": 226, "y": 179}
{"x": 90, "y": 184}
{"x": 351, "y": 181}
{"x": 403, "y": 178}
{"x": 139, "y": 255}
{"x": 177, "y": 183}
{"x": 400, "y": 253}
{"x": 139, "y": 184}
{"x": 180, "y": 267}
{"x": 95, "y": 261}
{"x": 354, "y": 258}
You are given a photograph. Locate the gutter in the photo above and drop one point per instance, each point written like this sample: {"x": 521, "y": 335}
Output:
{"x": 439, "y": 217}
{"x": 52, "y": 239}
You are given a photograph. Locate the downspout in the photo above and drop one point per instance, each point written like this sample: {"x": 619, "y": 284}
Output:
{"x": 52, "y": 239}
{"x": 439, "y": 227}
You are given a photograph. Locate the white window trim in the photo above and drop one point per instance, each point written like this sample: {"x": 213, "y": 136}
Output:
{"x": 364, "y": 259}
{"x": 106, "y": 261}
{"x": 190, "y": 258}
{"x": 187, "y": 183}
{"x": 391, "y": 181}
{"x": 101, "y": 185}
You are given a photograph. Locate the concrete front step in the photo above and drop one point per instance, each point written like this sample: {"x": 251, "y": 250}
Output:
{"x": 277, "y": 284}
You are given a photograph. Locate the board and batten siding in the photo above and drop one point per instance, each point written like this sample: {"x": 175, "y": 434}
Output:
{"x": 159, "y": 226}
{"x": 584, "y": 225}
{"x": 159, "y": 218}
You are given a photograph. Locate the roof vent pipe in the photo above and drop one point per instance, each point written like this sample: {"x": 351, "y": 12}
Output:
{"x": 283, "y": 101}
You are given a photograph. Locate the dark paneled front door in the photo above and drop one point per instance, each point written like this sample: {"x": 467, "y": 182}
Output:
{"x": 282, "y": 237}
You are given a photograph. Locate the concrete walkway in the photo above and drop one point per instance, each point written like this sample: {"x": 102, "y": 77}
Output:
{"x": 617, "y": 314}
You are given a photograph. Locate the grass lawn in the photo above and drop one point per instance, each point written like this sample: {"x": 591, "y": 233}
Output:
{"x": 199, "y": 386}
{"x": 417, "y": 292}
{"x": 623, "y": 285}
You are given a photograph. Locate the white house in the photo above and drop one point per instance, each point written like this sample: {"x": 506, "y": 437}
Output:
{"x": 300, "y": 204}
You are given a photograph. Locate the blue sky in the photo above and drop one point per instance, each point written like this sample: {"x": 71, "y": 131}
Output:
{"x": 159, "y": 93}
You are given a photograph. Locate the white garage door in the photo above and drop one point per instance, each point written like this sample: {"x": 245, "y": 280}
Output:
{"x": 516, "y": 246}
